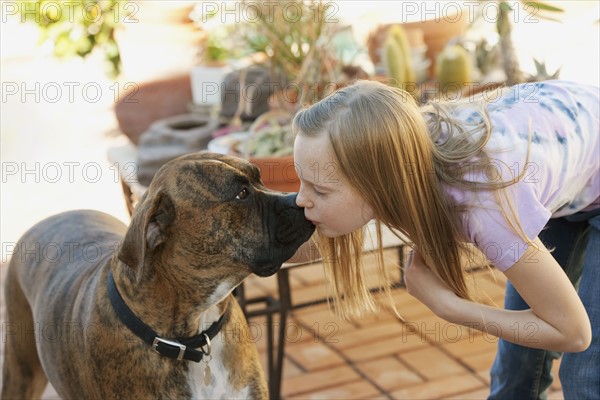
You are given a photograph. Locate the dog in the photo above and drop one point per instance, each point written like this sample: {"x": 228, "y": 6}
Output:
{"x": 103, "y": 311}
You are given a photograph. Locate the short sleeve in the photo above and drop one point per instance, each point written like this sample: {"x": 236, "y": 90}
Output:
{"x": 491, "y": 233}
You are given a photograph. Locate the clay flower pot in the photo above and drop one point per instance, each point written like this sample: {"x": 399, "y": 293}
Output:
{"x": 274, "y": 159}
{"x": 278, "y": 172}
{"x": 276, "y": 164}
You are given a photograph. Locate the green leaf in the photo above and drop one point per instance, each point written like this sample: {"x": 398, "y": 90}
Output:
{"x": 505, "y": 7}
{"x": 543, "y": 6}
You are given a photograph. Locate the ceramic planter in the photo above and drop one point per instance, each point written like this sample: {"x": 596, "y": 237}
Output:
{"x": 207, "y": 82}
{"x": 276, "y": 172}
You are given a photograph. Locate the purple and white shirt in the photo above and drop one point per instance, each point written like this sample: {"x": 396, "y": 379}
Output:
{"x": 562, "y": 175}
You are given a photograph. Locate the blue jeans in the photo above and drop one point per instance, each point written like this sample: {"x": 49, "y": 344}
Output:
{"x": 520, "y": 372}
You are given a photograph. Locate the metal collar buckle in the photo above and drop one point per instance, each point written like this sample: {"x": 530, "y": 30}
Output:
{"x": 172, "y": 343}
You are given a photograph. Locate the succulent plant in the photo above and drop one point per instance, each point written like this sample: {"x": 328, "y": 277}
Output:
{"x": 397, "y": 57}
{"x": 510, "y": 62}
{"x": 453, "y": 67}
{"x": 542, "y": 73}
{"x": 298, "y": 48}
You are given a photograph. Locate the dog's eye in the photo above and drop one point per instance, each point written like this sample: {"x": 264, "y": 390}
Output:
{"x": 243, "y": 194}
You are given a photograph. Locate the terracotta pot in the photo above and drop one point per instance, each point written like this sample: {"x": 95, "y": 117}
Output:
{"x": 278, "y": 173}
{"x": 142, "y": 104}
{"x": 434, "y": 34}
{"x": 438, "y": 33}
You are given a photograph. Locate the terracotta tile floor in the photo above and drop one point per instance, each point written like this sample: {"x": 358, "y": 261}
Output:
{"x": 378, "y": 356}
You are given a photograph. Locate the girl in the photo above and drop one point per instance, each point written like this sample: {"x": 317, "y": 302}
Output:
{"x": 483, "y": 173}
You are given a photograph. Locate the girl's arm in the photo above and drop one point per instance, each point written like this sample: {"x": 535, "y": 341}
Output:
{"x": 556, "y": 321}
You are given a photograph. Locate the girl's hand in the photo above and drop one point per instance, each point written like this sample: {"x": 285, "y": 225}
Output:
{"x": 426, "y": 287}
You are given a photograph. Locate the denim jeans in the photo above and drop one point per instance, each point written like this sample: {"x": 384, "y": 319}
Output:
{"x": 520, "y": 372}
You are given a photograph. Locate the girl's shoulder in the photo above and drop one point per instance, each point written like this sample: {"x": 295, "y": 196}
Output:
{"x": 552, "y": 105}
{"x": 564, "y": 97}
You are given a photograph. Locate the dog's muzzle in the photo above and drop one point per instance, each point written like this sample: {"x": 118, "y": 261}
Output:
{"x": 288, "y": 229}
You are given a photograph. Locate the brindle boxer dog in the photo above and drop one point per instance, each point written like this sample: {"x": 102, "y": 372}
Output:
{"x": 103, "y": 311}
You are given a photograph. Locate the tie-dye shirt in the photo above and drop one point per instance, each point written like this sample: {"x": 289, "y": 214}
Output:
{"x": 561, "y": 177}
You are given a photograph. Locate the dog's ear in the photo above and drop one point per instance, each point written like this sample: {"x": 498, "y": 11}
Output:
{"x": 147, "y": 230}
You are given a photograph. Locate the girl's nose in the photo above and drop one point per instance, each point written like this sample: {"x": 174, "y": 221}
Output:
{"x": 302, "y": 200}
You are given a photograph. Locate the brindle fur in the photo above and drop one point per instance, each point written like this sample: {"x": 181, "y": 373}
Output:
{"x": 189, "y": 235}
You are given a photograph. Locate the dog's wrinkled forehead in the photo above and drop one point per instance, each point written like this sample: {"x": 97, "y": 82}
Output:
{"x": 213, "y": 176}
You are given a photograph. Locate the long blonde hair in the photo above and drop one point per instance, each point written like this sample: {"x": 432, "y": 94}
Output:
{"x": 392, "y": 152}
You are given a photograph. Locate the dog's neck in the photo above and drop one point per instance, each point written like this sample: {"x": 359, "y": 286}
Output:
{"x": 172, "y": 309}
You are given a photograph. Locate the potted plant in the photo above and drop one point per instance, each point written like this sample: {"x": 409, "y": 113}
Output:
{"x": 303, "y": 69}
{"x": 207, "y": 76}
{"x": 308, "y": 56}
{"x": 216, "y": 49}
{"x": 269, "y": 145}
{"x": 510, "y": 63}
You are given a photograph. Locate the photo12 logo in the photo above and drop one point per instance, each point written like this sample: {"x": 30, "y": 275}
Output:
{"x": 71, "y": 92}
{"x": 90, "y": 12}
{"x": 454, "y": 11}
{"x": 52, "y": 252}
{"x": 69, "y": 171}
{"x": 269, "y": 11}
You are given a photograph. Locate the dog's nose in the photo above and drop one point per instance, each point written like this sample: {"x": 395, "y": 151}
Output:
{"x": 290, "y": 200}
{"x": 284, "y": 201}
{"x": 300, "y": 202}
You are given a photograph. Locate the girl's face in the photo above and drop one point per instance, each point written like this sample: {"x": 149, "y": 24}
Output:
{"x": 329, "y": 201}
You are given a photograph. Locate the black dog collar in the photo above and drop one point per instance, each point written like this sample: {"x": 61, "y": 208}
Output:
{"x": 180, "y": 349}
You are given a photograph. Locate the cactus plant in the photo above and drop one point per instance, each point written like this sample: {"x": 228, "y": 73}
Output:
{"x": 397, "y": 57}
{"x": 453, "y": 68}
{"x": 393, "y": 58}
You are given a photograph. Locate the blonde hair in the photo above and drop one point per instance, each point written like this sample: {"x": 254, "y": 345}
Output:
{"x": 392, "y": 152}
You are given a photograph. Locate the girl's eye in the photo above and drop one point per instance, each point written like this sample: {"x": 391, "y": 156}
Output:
{"x": 243, "y": 194}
